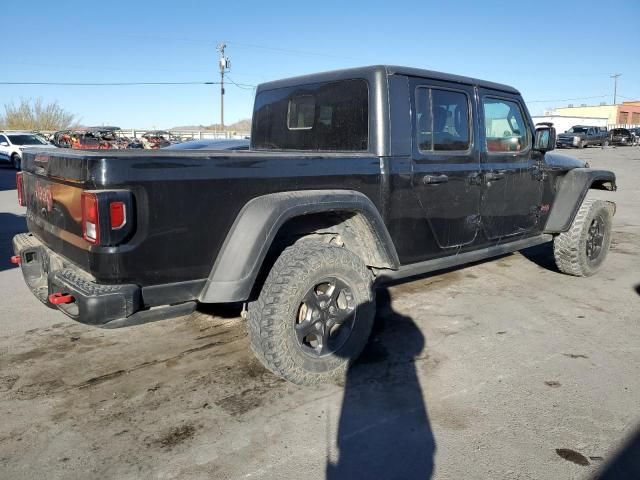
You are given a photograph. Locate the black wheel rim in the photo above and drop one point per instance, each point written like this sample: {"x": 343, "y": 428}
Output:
{"x": 595, "y": 238}
{"x": 326, "y": 317}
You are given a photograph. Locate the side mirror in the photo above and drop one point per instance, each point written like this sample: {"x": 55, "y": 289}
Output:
{"x": 545, "y": 139}
{"x": 4, "y": 144}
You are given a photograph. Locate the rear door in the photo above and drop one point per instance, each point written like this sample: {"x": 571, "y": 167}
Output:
{"x": 445, "y": 161}
{"x": 512, "y": 190}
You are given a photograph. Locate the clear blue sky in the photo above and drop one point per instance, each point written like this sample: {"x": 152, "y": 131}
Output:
{"x": 548, "y": 50}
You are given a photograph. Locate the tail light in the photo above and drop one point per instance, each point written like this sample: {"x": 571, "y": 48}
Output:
{"x": 117, "y": 215}
{"x": 20, "y": 189}
{"x": 90, "y": 218}
{"x": 107, "y": 216}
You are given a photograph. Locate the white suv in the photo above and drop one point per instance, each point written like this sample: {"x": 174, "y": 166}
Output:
{"x": 12, "y": 144}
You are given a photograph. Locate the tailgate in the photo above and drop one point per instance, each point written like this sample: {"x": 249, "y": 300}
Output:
{"x": 53, "y": 181}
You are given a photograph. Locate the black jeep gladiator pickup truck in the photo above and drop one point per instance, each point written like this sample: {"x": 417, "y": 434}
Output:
{"x": 353, "y": 177}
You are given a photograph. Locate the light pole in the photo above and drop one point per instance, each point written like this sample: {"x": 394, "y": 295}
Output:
{"x": 224, "y": 65}
{"x": 615, "y": 86}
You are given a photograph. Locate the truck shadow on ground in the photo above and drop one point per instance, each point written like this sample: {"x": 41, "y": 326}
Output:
{"x": 10, "y": 225}
{"x": 625, "y": 463}
{"x": 541, "y": 255}
{"x": 384, "y": 430}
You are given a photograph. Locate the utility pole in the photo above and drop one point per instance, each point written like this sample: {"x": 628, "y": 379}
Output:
{"x": 224, "y": 65}
{"x": 615, "y": 86}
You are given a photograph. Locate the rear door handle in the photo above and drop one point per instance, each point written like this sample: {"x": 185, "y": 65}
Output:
{"x": 493, "y": 176}
{"x": 434, "y": 179}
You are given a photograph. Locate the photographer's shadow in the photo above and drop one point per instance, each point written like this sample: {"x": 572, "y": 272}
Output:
{"x": 384, "y": 430}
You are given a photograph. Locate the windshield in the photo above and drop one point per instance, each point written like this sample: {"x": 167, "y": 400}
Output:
{"x": 26, "y": 140}
{"x": 577, "y": 130}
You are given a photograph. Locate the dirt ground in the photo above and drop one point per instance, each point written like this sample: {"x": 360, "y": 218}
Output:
{"x": 504, "y": 369}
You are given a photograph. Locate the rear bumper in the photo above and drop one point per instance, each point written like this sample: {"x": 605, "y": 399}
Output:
{"x": 110, "y": 306}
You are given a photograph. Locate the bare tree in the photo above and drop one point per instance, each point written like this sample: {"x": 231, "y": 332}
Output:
{"x": 36, "y": 115}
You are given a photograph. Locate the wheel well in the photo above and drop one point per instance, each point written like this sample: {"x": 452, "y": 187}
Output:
{"x": 603, "y": 185}
{"x": 348, "y": 228}
{"x": 345, "y": 228}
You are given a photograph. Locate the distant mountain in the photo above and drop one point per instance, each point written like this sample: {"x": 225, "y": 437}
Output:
{"x": 239, "y": 126}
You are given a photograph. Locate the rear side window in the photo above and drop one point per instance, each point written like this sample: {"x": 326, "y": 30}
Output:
{"x": 320, "y": 117}
{"x": 442, "y": 118}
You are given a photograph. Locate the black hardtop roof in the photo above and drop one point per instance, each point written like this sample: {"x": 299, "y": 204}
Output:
{"x": 375, "y": 70}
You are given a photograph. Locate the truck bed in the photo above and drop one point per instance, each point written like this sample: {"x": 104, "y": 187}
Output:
{"x": 184, "y": 202}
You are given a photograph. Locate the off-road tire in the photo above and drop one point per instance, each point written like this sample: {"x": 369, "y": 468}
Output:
{"x": 570, "y": 247}
{"x": 582, "y": 144}
{"x": 16, "y": 161}
{"x": 272, "y": 318}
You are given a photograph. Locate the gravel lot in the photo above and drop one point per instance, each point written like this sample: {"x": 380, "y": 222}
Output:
{"x": 480, "y": 372}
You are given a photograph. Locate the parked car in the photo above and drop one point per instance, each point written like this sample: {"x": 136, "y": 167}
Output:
{"x": 581, "y": 136}
{"x": 353, "y": 176}
{"x": 621, "y": 136}
{"x": 155, "y": 139}
{"x": 82, "y": 139}
{"x": 211, "y": 144}
{"x": 12, "y": 144}
{"x": 110, "y": 135}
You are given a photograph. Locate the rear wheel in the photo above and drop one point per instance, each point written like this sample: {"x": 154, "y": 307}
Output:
{"x": 314, "y": 313}
{"x": 581, "y": 250}
{"x": 16, "y": 161}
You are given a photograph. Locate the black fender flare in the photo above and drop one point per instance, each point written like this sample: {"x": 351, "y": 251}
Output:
{"x": 239, "y": 261}
{"x": 571, "y": 190}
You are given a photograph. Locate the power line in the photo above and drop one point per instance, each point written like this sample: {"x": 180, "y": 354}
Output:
{"x": 293, "y": 52}
{"x": 564, "y": 99}
{"x": 241, "y": 85}
{"x": 101, "y": 84}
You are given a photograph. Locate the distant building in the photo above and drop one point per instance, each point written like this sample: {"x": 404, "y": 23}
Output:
{"x": 625, "y": 113}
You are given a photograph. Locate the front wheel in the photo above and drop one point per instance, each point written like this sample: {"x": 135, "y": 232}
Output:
{"x": 314, "y": 313}
{"x": 581, "y": 250}
{"x": 16, "y": 161}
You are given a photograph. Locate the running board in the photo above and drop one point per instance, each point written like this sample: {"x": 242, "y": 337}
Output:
{"x": 459, "y": 259}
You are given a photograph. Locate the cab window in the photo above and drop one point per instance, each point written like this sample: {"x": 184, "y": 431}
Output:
{"x": 442, "y": 120}
{"x": 323, "y": 117}
{"x": 505, "y": 127}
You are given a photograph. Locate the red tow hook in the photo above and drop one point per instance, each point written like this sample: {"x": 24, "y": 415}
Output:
{"x": 60, "y": 298}
{"x": 16, "y": 259}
